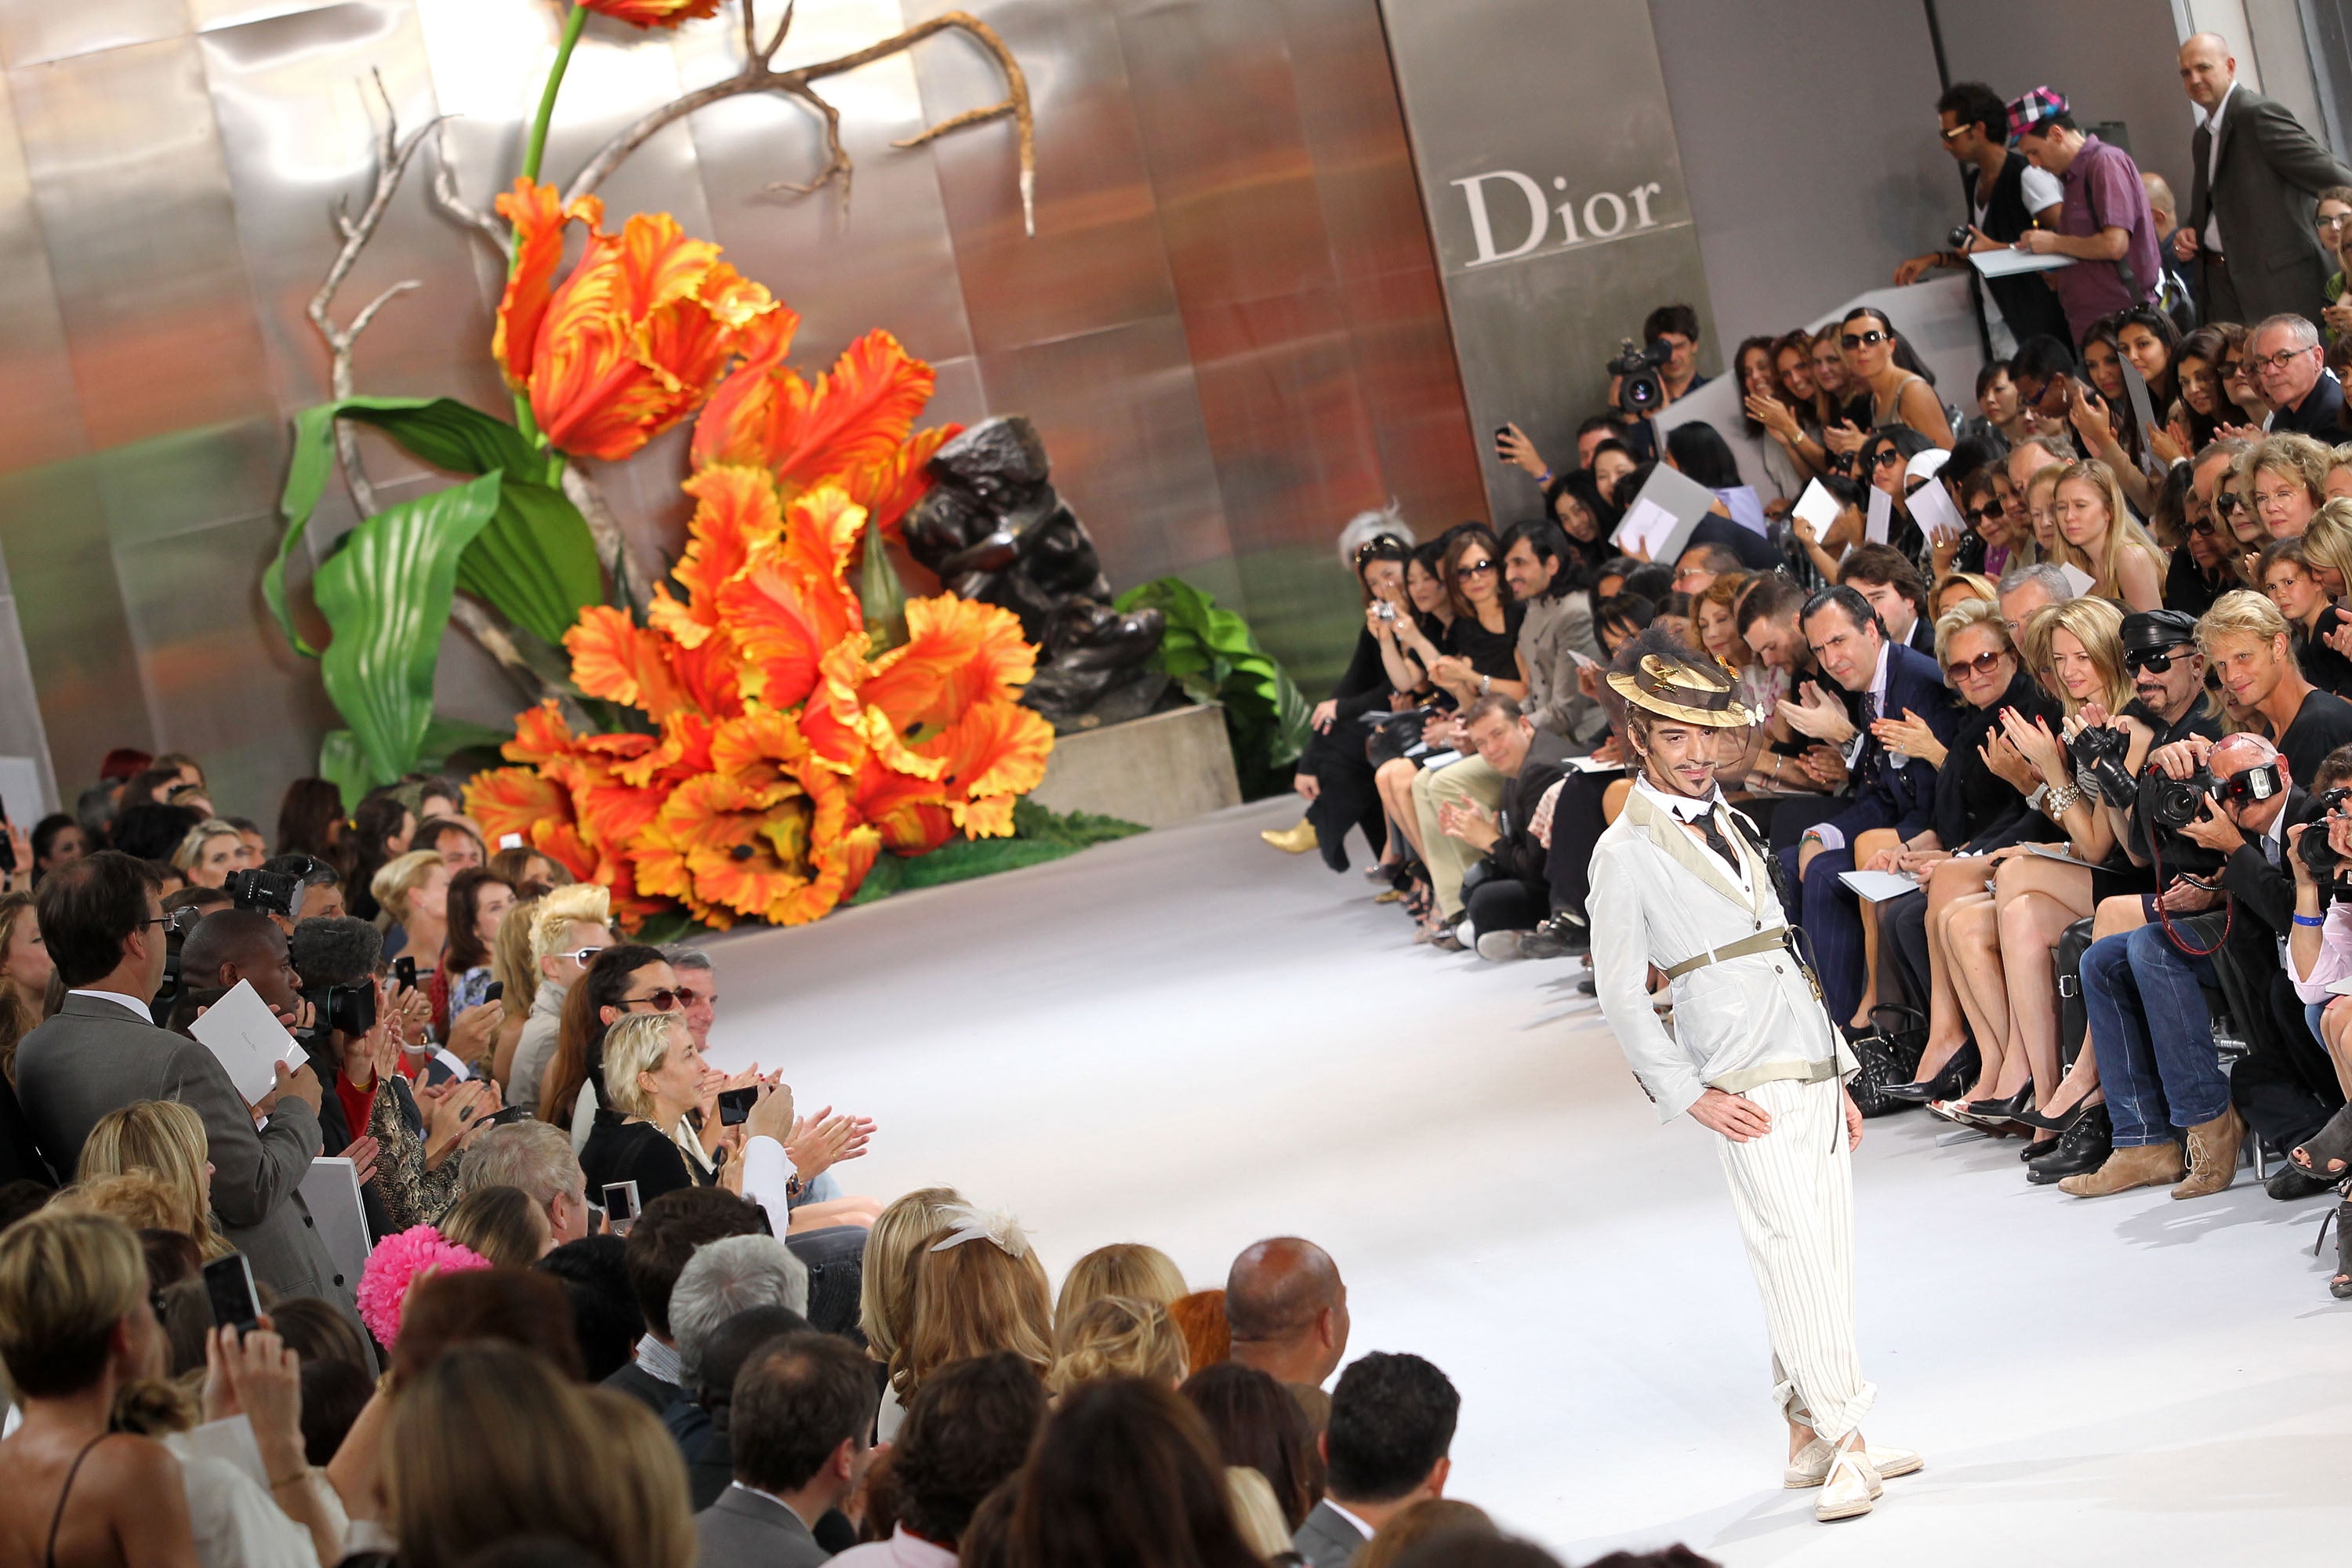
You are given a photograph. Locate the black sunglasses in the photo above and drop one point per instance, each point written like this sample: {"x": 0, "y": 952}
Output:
{"x": 1980, "y": 514}
{"x": 1869, "y": 340}
{"x": 2202, "y": 526}
{"x": 2228, "y": 501}
{"x": 1474, "y": 568}
{"x": 2155, "y": 660}
{"x": 660, "y": 1001}
{"x": 1884, "y": 457}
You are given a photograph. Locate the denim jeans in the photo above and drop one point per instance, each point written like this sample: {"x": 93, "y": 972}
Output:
{"x": 2153, "y": 1035}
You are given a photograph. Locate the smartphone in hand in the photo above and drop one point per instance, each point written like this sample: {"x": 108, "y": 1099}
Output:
{"x": 735, "y": 1106}
{"x": 229, "y": 1286}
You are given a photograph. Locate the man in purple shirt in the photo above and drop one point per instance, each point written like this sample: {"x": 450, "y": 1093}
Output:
{"x": 2104, "y": 223}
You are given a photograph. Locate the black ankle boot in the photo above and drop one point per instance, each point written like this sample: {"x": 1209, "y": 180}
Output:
{"x": 2084, "y": 1146}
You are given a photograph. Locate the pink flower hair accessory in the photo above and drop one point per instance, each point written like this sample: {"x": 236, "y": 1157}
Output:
{"x": 398, "y": 1263}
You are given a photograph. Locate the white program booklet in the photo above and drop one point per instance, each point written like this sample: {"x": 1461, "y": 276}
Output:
{"x": 1878, "y": 887}
{"x": 2078, "y": 579}
{"x": 1818, "y": 507}
{"x": 1879, "y": 519}
{"x": 245, "y": 1035}
{"x": 2010, "y": 263}
{"x": 1932, "y": 509}
{"x": 330, "y": 1191}
{"x": 1660, "y": 518}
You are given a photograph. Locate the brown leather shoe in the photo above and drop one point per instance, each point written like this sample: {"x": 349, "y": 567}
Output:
{"x": 2212, "y": 1155}
{"x": 2141, "y": 1165}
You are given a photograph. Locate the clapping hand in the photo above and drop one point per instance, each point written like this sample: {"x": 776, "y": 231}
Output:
{"x": 2007, "y": 764}
{"x": 1817, "y": 714}
{"x": 1468, "y": 821}
{"x": 1824, "y": 766}
{"x": 2035, "y": 742}
{"x": 1911, "y": 736}
{"x": 824, "y": 1140}
{"x": 361, "y": 1151}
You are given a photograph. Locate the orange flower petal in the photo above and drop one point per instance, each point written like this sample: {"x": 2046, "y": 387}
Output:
{"x": 859, "y": 412}
{"x": 760, "y": 752}
{"x": 888, "y": 489}
{"x": 616, "y": 658}
{"x": 511, "y": 800}
{"x": 998, "y": 748}
{"x": 539, "y": 217}
{"x": 958, "y": 652}
{"x": 540, "y": 735}
{"x": 736, "y": 515}
{"x": 732, "y": 429}
{"x": 653, "y": 13}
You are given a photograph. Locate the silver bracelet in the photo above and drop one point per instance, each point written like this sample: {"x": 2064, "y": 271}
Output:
{"x": 2062, "y": 799}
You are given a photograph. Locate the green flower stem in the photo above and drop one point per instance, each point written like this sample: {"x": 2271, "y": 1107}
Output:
{"x": 533, "y": 151}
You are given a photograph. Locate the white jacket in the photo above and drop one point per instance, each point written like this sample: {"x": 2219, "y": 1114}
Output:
{"x": 1661, "y": 896}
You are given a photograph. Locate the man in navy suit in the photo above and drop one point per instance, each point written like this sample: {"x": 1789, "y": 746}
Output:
{"x": 1893, "y": 683}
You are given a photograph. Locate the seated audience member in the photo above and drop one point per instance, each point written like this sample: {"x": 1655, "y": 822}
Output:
{"x": 1393, "y": 1420}
{"x": 230, "y": 947}
{"x": 1122, "y": 1269}
{"x": 979, "y": 1289}
{"x": 58, "y": 840}
{"x": 1333, "y": 774}
{"x": 1116, "y": 1336}
{"x": 510, "y": 963}
{"x": 1259, "y": 1426}
{"x": 164, "y": 1141}
{"x": 664, "y": 1239}
{"x": 2290, "y": 582}
{"x": 538, "y": 1160}
{"x": 1815, "y": 563}
{"x": 418, "y": 1133}
{"x": 968, "y": 1433}
{"x": 2281, "y": 480}
{"x": 2207, "y": 564}
{"x": 1512, "y": 896}
{"x": 381, "y": 825}
{"x": 2096, "y": 535}
{"x": 702, "y": 1427}
{"x": 1895, "y": 788}
{"x": 1573, "y": 501}
{"x": 1882, "y": 391}
{"x": 2025, "y": 589}
{"x": 478, "y": 900}
{"x": 459, "y": 846}
{"x": 1288, "y": 1311}
{"x": 1200, "y": 1317}
{"x": 2289, "y": 364}
{"x": 1698, "y": 567}
{"x": 885, "y": 1303}
{"x": 2142, "y": 989}
{"x": 1125, "y": 1472}
{"x": 1885, "y": 578}
{"x": 310, "y": 821}
{"x": 488, "y": 1443}
{"x": 74, "y": 1328}
{"x": 411, "y": 891}
{"x": 1545, "y": 576}
{"x": 655, "y": 1076}
{"x": 502, "y": 1223}
{"x": 594, "y": 1273}
{"x": 723, "y": 1278}
{"x": 102, "y": 1051}
{"x": 567, "y": 930}
{"x": 799, "y": 1415}
{"x": 1431, "y": 1517}
{"x": 211, "y": 849}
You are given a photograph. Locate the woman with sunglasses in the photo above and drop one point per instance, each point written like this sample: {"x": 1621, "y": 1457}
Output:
{"x": 1982, "y": 504}
{"x": 1884, "y": 465}
{"x": 1484, "y": 655}
{"x": 2001, "y": 973}
{"x": 1897, "y": 397}
{"x": 2096, "y": 535}
{"x": 2239, "y": 386}
{"x": 628, "y": 977}
{"x": 648, "y": 1136}
{"x": 1974, "y": 809}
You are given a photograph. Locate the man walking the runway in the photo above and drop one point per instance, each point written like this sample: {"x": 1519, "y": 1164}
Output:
{"x": 1682, "y": 882}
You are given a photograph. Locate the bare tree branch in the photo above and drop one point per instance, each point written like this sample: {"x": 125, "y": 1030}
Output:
{"x": 758, "y": 75}
{"x": 492, "y": 633}
{"x": 612, "y": 544}
{"x": 450, "y": 202}
{"x": 392, "y": 158}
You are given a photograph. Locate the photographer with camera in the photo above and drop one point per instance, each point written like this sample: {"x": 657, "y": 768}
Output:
{"x": 2006, "y": 196}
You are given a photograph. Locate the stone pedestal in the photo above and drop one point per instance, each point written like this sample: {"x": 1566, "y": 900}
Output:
{"x": 1158, "y": 770}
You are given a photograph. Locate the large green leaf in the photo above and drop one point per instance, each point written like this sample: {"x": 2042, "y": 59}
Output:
{"x": 386, "y": 592}
{"x": 342, "y": 764}
{"x": 1212, "y": 654}
{"x": 535, "y": 563}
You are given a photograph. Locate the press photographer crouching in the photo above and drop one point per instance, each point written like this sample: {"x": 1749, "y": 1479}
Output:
{"x": 2214, "y": 815}
{"x": 2318, "y": 956}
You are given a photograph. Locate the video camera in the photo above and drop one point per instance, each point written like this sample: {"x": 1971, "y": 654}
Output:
{"x": 270, "y": 892}
{"x": 1641, "y": 391}
{"x": 348, "y": 1010}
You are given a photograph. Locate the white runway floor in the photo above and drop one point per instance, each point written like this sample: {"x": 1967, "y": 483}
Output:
{"x": 1189, "y": 1039}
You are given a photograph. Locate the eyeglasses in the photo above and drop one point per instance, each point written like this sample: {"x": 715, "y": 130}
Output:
{"x": 1955, "y": 133}
{"x": 1869, "y": 340}
{"x": 1982, "y": 665}
{"x": 583, "y": 957}
{"x": 2338, "y": 221}
{"x": 2284, "y": 358}
{"x": 2155, "y": 661}
{"x": 1474, "y": 569}
{"x": 660, "y": 1001}
{"x": 1886, "y": 457}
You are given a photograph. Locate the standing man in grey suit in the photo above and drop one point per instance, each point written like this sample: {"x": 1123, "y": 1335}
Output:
{"x": 1392, "y": 1419}
{"x": 799, "y": 1417}
{"x": 2258, "y": 178}
{"x": 101, "y": 1051}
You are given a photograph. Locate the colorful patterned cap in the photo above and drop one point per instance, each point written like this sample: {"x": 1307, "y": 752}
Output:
{"x": 2032, "y": 108}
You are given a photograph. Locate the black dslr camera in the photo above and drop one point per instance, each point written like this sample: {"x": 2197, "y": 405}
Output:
{"x": 2326, "y": 866}
{"x": 1640, "y": 391}
{"x": 348, "y": 1010}
{"x": 270, "y": 892}
{"x": 1962, "y": 236}
{"x": 2169, "y": 805}
{"x": 2099, "y": 752}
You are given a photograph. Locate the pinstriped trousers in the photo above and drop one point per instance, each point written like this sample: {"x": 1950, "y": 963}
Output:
{"x": 1794, "y": 1191}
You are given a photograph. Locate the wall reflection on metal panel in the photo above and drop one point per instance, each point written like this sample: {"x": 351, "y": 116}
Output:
{"x": 134, "y": 206}
{"x": 43, "y": 417}
{"x": 35, "y": 34}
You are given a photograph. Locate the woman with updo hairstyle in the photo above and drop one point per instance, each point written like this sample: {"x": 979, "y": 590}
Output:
{"x": 502, "y": 1223}
{"x": 1117, "y": 1336}
{"x": 1122, "y": 1269}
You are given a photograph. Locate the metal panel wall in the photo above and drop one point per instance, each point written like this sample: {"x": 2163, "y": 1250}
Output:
{"x": 1228, "y": 327}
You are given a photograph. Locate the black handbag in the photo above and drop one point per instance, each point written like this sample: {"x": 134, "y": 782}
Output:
{"x": 1396, "y": 736}
{"x": 1888, "y": 1054}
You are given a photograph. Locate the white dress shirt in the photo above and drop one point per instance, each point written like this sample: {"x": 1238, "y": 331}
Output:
{"x": 2212, "y": 239}
{"x": 146, "y": 1014}
{"x": 1829, "y": 835}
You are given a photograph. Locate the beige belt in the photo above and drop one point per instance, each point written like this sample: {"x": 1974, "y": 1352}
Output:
{"x": 1747, "y": 946}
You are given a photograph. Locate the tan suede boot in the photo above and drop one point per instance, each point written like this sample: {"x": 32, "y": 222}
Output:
{"x": 2142, "y": 1166}
{"x": 2212, "y": 1155}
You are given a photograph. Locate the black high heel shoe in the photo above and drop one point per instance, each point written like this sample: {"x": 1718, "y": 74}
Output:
{"x": 2035, "y": 1119}
{"x": 1994, "y": 1112}
{"x": 1957, "y": 1074}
